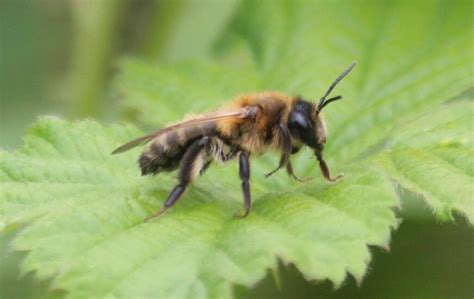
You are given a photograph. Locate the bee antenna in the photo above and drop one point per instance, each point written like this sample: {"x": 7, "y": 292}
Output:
{"x": 322, "y": 101}
{"x": 321, "y": 106}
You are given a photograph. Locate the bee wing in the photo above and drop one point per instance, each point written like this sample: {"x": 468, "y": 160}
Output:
{"x": 210, "y": 117}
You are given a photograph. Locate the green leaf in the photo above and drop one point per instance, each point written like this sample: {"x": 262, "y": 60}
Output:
{"x": 432, "y": 156}
{"x": 86, "y": 211}
{"x": 85, "y": 208}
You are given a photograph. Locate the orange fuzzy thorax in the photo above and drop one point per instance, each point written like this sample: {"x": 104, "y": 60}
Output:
{"x": 256, "y": 134}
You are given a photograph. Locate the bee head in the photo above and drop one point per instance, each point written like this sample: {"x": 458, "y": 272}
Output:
{"x": 305, "y": 122}
{"x": 306, "y": 125}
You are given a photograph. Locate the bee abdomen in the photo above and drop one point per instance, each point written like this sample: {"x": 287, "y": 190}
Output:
{"x": 165, "y": 152}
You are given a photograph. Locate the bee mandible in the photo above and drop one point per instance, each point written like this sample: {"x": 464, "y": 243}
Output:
{"x": 250, "y": 125}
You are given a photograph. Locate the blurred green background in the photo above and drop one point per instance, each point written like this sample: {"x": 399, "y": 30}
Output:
{"x": 59, "y": 57}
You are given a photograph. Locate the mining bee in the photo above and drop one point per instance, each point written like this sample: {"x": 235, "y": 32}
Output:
{"x": 250, "y": 124}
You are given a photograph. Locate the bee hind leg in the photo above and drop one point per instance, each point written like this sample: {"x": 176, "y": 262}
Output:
{"x": 244, "y": 172}
{"x": 190, "y": 167}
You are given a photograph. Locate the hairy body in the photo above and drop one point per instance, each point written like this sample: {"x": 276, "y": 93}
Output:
{"x": 250, "y": 124}
{"x": 227, "y": 136}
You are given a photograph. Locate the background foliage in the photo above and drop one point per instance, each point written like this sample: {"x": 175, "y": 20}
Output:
{"x": 72, "y": 215}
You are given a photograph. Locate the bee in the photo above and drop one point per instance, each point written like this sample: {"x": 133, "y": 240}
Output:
{"x": 250, "y": 125}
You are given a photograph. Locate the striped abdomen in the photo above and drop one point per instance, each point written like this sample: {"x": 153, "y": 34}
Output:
{"x": 165, "y": 151}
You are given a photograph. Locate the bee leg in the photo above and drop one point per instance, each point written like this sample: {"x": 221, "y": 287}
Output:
{"x": 190, "y": 167}
{"x": 287, "y": 148}
{"x": 325, "y": 169}
{"x": 289, "y": 170}
{"x": 244, "y": 173}
{"x": 283, "y": 161}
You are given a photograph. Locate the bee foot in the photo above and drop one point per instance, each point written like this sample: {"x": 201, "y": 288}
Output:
{"x": 303, "y": 180}
{"x": 241, "y": 216}
{"x": 153, "y": 216}
{"x": 337, "y": 178}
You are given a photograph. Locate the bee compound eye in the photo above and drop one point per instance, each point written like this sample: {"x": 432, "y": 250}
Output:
{"x": 300, "y": 120}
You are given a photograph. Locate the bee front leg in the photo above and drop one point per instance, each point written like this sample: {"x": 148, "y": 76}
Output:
{"x": 287, "y": 148}
{"x": 325, "y": 169}
{"x": 190, "y": 167}
{"x": 244, "y": 172}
